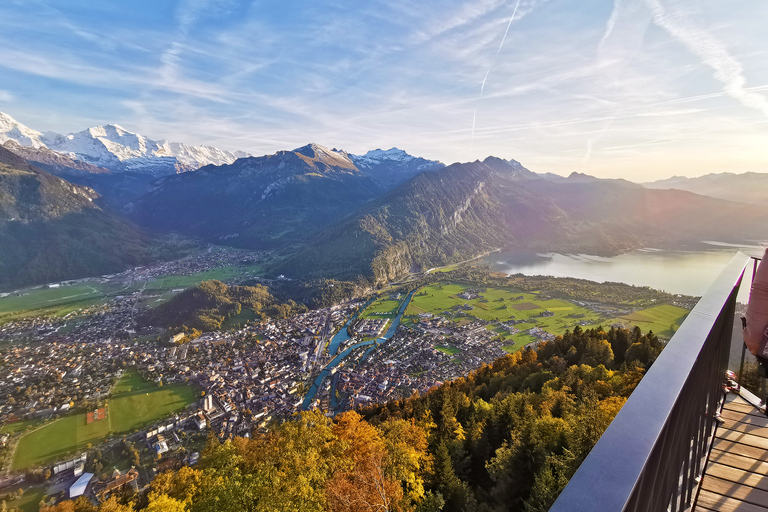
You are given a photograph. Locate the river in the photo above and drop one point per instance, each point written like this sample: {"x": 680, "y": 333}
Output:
{"x": 687, "y": 272}
{"x": 342, "y": 336}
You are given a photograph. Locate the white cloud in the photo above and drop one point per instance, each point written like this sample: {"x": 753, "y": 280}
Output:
{"x": 681, "y": 24}
{"x": 6, "y": 96}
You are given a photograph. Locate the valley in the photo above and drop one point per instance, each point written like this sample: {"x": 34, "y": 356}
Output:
{"x": 232, "y": 293}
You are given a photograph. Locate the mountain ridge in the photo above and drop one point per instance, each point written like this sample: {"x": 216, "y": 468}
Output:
{"x": 115, "y": 148}
{"x": 748, "y": 187}
{"x": 51, "y": 229}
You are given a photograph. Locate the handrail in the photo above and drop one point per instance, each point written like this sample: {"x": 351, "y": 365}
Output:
{"x": 652, "y": 455}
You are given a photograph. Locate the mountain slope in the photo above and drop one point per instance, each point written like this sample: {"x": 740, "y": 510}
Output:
{"x": 749, "y": 187}
{"x": 259, "y": 203}
{"x": 51, "y": 229}
{"x": 461, "y": 211}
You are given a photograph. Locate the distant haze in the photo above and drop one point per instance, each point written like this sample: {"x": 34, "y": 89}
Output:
{"x": 638, "y": 89}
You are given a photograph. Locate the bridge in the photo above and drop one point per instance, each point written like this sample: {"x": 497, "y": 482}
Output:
{"x": 680, "y": 443}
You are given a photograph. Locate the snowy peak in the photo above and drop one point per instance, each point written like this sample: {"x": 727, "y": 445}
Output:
{"x": 393, "y": 154}
{"x": 11, "y": 129}
{"x": 393, "y": 166}
{"x": 119, "y": 149}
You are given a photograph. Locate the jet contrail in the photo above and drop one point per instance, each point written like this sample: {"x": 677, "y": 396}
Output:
{"x": 482, "y": 85}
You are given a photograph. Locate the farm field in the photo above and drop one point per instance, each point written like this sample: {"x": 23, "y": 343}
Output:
{"x": 663, "y": 320}
{"x": 65, "y": 299}
{"x": 503, "y": 304}
{"x": 139, "y": 403}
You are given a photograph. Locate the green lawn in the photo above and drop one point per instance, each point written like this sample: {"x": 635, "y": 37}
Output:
{"x": 131, "y": 381}
{"x": 663, "y": 320}
{"x": 138, "y": 404}
{"x": 502, "y": 304}
{"x": 30, "y": 501}
{"x": 239, "y": 320}
{"x": 382, "y": 308}
{"x": 18, "y": 426}
{"x": 448, "y": 350}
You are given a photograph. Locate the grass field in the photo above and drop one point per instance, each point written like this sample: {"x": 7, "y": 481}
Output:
{"x": 382, "y": 307}
{"x": 501, "y": 304}
{"x": 246, "y": 315}
{"x": 65, "y": 299}
{"x": 29, "y": 502}
{"x": 12, "y": 428}
{"x": 138, "y": 404}
{"x": 507, "y": 303}
{"x": 448, "y": 350}
{"x": 663, "y": 320}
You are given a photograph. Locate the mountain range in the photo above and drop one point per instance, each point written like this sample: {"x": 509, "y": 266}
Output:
{"x": 327, "y": 213}
{"x": 456, "y": 213}
{"x": 748, "y": 187}
{"x": 117, "y": 149}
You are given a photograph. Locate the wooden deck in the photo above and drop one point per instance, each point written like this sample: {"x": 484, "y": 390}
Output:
{"x": 736, "y": 478}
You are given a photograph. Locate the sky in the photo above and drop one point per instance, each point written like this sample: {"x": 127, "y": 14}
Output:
{"x": 638, "y": 89}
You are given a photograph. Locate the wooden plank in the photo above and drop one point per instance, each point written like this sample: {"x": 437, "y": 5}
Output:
{"x": 735, "y": 491}
{"x": 738, "y": 461}
{"x": 717, "y": 503}
{"x": 742, "y": 438}
{"x": 743, "y": 418}
{"x": 740, "y": 449}
{"x": 743, "y": 407}
{"x": 748, "y": 428}
{"x": 739, "y": 477}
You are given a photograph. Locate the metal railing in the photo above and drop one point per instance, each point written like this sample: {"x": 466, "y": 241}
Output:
{"x": 654, "y": 452}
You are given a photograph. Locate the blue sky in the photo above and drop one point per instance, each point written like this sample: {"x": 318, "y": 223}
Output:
{"x": 642, "y": 89}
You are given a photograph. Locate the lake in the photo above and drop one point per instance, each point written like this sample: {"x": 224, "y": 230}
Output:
{"x": 687, "y": 272}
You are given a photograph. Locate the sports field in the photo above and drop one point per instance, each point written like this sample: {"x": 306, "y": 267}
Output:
{"x": 138, "y": 403}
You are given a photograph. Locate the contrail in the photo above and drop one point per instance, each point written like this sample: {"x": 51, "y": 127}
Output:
{"x": 482, "y": 85}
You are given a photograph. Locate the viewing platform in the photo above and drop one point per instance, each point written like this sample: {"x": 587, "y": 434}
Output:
{"x": 736, "y": 478}
{"x": 680, "y": 443}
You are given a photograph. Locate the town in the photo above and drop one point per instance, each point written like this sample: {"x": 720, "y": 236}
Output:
{"x": 93, "y": 361}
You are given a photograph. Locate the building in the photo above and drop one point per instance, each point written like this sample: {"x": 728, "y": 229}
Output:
{"x": 119, "y": 480}
{"x": 79, "y": 487}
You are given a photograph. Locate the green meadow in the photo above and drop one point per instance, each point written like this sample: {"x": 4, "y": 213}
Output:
{"x": 135, "y": 403}
{"x": 382, "y": 308}
{"x": 67, "y": 298}
{"x": 503, "y": 304}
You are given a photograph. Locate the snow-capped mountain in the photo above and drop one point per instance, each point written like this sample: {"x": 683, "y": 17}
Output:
{"x": 11, "y": 129}
{"x": 393, "y": 166}
{"x": 118, "y": 149}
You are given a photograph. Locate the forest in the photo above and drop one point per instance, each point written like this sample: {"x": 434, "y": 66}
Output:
{"x": 206, "y": 306}
{"x": 506, "y": 437}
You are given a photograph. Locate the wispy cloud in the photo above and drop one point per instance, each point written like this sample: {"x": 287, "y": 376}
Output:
{"x": 6, "y": 96}
{"x": 680, "y": 23}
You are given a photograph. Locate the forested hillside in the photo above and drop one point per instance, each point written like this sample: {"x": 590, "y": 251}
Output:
{"x": 51, "y": 229}
{"x": 505, "y": 438}
{"x": 209, "y": 304}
